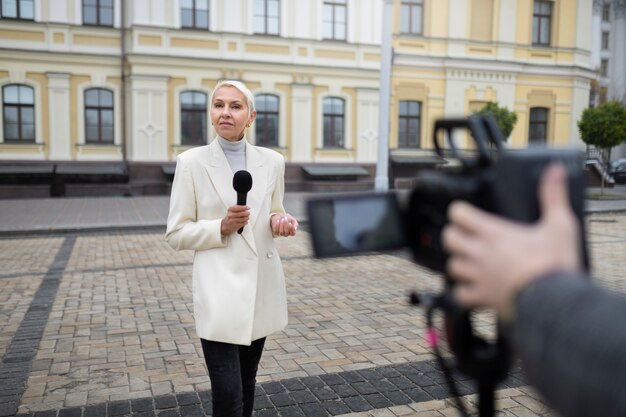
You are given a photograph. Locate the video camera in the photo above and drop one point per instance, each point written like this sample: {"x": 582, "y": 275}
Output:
{"x": 493, "y": 178}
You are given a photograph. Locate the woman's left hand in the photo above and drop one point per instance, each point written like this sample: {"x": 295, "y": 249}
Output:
{"x": 283, "y": 225}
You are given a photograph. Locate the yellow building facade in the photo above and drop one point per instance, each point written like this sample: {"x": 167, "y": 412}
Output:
{"x": 111, "y": 84}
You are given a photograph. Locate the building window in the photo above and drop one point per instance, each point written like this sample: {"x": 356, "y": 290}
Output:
{"x": 334, "y": 121}
{"x": 335, "y": 20}
{"x": 266, "y": 120}
{"x": 409, "y": 124}
{"x": 18, "y": 9}
{"x": 604, "y": 67}
{"x": 194, "y": 14}
{"x": 98, "y": 116}
{"x": 411, "y": 16}
{"x": 542, "y": 21}
{"x": 605, "y": 40}
{"x": 606, "y": 12}
{"x": 98, "y": 12}
{"x": 538, "y": 128}
{"x": 18, "y": 104}
{"x": 193, "y": 118}
{"x": 267, "y": 17}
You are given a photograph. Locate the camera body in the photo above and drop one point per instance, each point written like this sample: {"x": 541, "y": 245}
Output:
{"x": 495, "y": 179}
{"x": 501, "y": 181}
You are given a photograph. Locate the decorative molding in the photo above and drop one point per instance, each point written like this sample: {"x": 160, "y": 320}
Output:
{"x": 474, "y": 75}
{"x": 597, "y": 6}
{"x": 619, "y": 9}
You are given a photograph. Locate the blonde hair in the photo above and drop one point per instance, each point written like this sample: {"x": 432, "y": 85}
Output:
{"x": 239, "y": 86}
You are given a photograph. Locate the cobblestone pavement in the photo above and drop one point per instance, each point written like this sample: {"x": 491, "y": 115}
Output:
{"x": 101, "y": 325}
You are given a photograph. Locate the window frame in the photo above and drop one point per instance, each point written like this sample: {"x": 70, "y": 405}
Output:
{"x": 99, "y": 108}
{"x": 265, "y": 16}
{"x": 406, "y": 118}
{"x": 533, "y": 123}
{"x": 605, "y": 41}
{"x": 196, "y": 113}
{"x": 538, "y": 18}
{"x": 606, "y": 12}
{"x": 604, "y": 67}
{"x": 410, "y": 4}
{"x": 194, "y": 10}
{"x": 19, "y": 107}
{"x": 18, "y": 14}
{"x": 99, "y": 8}
{"x": 332, "y": 142}
{"x": 335, "y": 4}
{"x": 261, "y": 121}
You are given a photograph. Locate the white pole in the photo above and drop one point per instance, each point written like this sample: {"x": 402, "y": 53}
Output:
{"x": 381, "y": 181}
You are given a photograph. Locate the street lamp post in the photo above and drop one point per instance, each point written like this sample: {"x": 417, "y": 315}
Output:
{"x": 381, "y": 182}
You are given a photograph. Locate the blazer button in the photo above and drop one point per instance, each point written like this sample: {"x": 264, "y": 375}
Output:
{"x": 269, "y": 255}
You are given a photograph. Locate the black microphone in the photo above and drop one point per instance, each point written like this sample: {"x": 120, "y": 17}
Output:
{"x": 242, "y": 183}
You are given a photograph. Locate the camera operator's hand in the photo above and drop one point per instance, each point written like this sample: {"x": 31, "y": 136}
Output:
{"x": 492, "y": 258}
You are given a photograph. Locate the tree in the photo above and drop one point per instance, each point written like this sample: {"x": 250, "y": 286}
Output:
{"x": 604, "y": 127}
{"x": 505, "y": 118}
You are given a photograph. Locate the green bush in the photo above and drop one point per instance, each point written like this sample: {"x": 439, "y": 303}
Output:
{"x": 505, "y": 118}
{"x": 603, "y": 126}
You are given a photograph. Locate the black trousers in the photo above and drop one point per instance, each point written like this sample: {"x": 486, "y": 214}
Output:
{"x": 232, "y": 371}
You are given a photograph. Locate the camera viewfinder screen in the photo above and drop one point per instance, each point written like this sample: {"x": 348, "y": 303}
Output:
{"x": 354, "y": 224}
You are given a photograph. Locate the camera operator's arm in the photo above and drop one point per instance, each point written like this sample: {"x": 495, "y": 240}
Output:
{"x": 571, "y": 338}
{"x": 568, "y": 333}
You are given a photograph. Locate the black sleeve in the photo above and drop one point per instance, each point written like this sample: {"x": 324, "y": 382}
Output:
{"x": 571, "y": 338}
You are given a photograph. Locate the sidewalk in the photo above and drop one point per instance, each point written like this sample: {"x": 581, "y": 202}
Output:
{"x": 61, "y": 215}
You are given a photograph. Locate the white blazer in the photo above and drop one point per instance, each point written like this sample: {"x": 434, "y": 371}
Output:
{"x": 239, "y": 290}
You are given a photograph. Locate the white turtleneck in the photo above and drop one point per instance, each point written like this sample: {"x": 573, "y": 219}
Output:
{"x": 235, "y": 152}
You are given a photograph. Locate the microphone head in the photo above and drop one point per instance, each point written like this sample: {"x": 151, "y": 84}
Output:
{"x": 242, "y": 181}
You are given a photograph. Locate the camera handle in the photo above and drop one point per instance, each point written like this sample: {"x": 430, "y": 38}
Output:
{"x": 486, "y": 363}
{"x": 483, "y": 128}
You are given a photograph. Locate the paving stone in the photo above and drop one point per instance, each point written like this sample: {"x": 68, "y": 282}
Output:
{"x": 121, "y": 326}
{"x": 98, "y": 410}
{"x": 291, "y": 411}
{"x": 165, "y": 401}
{"x": 187, "y": 398}
{"x": 281, "y": 400}
{"x": 119, "y": 408}
{"x": 71, "y": 412}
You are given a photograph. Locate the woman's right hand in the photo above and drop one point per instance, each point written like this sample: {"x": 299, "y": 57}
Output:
{"x": 236, "y": 218}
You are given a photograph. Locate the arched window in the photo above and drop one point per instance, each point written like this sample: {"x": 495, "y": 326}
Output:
{"x": 334, "y": 122}
{"x": 98, "y": 12}
{"x": 409, "y": 124}
{"x": 538, "y": 126}
{"x": 266, "y": 120}
{"x": 193, "y": 117}
{"x": 98, "y": 116}
{"x": 18, "y": 107}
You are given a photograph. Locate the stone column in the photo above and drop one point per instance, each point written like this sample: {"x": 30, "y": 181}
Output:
{"x": 59, "y": 105}
{"x": 617, "y": 88}
{"x": 148, "y": 124}
{"x": 596, "y": 34}
{"x": 302, "y": 141}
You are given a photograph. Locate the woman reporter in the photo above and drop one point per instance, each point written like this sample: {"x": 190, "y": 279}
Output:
{"x": 239, "y": 291}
